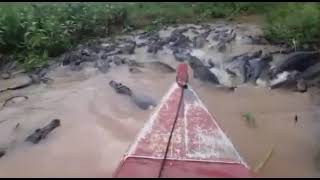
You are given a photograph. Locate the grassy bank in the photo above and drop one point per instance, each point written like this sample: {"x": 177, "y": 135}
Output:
{"x": 294, "y": 24}
{"x": 34, "y": 33}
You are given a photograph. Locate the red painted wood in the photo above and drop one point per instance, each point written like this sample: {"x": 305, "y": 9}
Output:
{"x": 198, "y": 147}
{"x": 196, "y": 169}
{"x": 155, "y": 135}
{"x": 144, "y": 167}
{"x": 182, "y": 75}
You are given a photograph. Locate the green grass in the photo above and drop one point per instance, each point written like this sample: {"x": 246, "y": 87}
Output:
{"x": 248, "y": 117}
{"x": 35, "y": 33}
{"x": 294, "y": 24}
{"x": 150, "y": 16}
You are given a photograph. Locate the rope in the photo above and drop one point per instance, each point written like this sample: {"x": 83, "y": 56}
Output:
{"x": 171, "y": 133}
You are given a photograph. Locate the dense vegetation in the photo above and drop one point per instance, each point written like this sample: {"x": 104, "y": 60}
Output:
{"x": 296, "y": 24}
{"x": 32, "y": 33}
{"x": 35, "y": 32}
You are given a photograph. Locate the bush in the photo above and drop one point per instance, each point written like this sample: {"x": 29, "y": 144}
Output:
{"x": 294, "y": 24}
{"x": 154, "y": 14}
{"x": 36, "y": 32}
{"x": 229, "y": 9}
{"x": 214, "y": 9}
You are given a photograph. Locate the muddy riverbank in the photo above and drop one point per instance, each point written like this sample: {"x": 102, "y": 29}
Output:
{"x": 98, "y": 124}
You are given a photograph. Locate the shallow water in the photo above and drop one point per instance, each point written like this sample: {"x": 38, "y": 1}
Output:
{"x": 98, "y": 125}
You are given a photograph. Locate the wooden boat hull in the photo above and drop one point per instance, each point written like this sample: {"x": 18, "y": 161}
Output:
{"x": 182, "y": 139}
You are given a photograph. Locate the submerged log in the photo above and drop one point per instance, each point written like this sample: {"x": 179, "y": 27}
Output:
{"x": 17, "y": 87}
{"x": 40, "y": 134}
{"x": 2, "y": 153}
{"x": 13, "y": 97}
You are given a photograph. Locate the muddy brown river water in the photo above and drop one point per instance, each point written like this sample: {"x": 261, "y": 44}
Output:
{"x": 98, "y": 125}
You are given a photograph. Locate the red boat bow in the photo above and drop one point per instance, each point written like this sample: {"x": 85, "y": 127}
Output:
{"x": 182, "y": 139}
